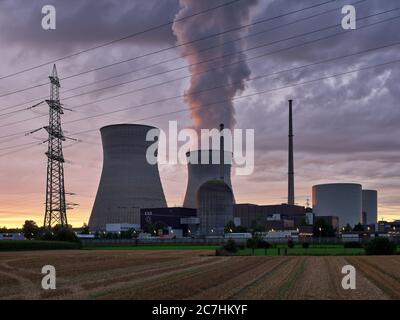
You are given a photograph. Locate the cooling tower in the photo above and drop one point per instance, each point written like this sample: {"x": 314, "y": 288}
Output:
{"x": 343, "y": 200}
{"x": 370, "y": 205}
{"x": 214, "y": 207}
{"x": 128, "y": 181}
{"x": 202, "y": 172}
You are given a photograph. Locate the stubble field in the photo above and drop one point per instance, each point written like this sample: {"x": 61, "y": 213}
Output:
{"x": 197, "y": 274}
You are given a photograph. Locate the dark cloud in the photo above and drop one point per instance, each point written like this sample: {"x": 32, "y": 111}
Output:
{"x": 86, "y": 22}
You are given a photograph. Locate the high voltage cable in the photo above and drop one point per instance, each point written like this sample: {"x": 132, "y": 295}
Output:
{"x": 120, "y": 39}
{"x": 234, "y": 53}
{"x": 235, "y": 98}
{"x": 242, "y": 97}
{"x": 19, "y": 133}
{"x": 247, "y": 59}
{"x": 162, "y": 62}
{"x": 258, "y": 93}
{"x": 210, "y": 60}
{"x": 184, "y": 44}
{"x": 166, "y": 99}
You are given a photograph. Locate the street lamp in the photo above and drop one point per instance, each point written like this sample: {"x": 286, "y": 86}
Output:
{"x": 320, "y": 233}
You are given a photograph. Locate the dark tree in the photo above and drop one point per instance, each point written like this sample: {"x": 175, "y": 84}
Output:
{"x": 323, "y": 229}
{"x": 30, "y": 229}
{"x": 85, "y": 229}
{"x": 358, "y": 227}
{"x": 347, "y": 228}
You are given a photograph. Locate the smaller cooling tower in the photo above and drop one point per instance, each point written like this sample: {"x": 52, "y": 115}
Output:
{"x": 214, "y": 207}
{"x": 128, "y": 182}
{"x": 200, "y": 173}
{"x": 370, "y": 205}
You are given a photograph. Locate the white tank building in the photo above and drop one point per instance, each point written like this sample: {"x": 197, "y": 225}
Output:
{"x": 202, "y": 172}
{"x": 370, "y": 206}
{"x": 128, "y": 181}
{"x": 343, "y": 200}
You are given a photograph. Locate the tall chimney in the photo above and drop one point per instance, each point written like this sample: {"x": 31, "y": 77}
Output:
{"x": 291, "y": 162}
{"x": 221, "y": 152}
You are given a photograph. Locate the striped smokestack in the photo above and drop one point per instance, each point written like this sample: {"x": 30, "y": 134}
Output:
{"x": 290, "y": 162}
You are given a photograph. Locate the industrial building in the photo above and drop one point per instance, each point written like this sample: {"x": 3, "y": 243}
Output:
{"x": 348, "y": 201}
{"x": 333, "y": 221}
{"x": 370, "y": 206}
{"x": 180, "y": 220}
{"x": 283, "y": 216}
{"x": 128, "y": 182}
{"x": 343, "y": 200}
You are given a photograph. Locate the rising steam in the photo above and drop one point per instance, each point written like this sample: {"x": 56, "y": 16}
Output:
{"x": 232, "y": 77}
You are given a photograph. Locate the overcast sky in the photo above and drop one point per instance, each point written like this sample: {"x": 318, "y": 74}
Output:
{"x": 346, "y": 128}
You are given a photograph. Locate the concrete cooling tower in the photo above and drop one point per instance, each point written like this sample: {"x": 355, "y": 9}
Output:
{"x": 343, "y": 200}
{"x": 370, "y": 205}
{"x": 128, "y": 182}
{"x": 201, "y": 172}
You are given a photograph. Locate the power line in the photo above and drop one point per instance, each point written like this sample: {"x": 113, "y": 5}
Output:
{"x": 184, "y": 44}
{"x": 120, "y": 39}
{"x": 254, "y": 78}
{"x": 215, "y": 46}
{"x": 20, "y": 145}
{"x": 216, "y": 58}
{"x": 234, "y": 53}
{"x": 245, "y": 96}
{"x": 223, "y": 86}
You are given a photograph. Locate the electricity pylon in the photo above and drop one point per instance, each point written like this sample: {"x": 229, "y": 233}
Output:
{"x": 56, "y": 209}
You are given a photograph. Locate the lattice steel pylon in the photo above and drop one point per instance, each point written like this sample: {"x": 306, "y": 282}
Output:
{"x": 56, "y": 209}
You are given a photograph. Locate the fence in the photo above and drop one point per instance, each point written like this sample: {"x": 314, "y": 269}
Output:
{"x": 212, "y": 241}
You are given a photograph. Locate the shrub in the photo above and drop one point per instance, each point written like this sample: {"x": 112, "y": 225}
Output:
{"x": 67, "y": 235}
{"x": 252, "y": 244}
{"x": 263, "y": 244}
{"x": 290, "y": 244}
{"x": 46, "y": 235}
{"x": 231, "y": 246}
{"x": 380, "y": 246}
{"x": 26, "y": 245}
{"x": 353, "y": 244}
{"x": 305, "y": 245}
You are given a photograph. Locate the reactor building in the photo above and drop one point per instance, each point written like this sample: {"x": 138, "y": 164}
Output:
{"x": 200, "y": 172}
{"x": 128, "y": 181}
{"x": 343, "y": 200}
{"x": 214, "y": 207}
{"x": 370, "y": 206}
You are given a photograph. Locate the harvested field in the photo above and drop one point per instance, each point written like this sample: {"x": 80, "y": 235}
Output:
{"x": 194, "y": 274}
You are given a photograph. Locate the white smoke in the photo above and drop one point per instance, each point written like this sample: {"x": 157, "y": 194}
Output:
{"x": 208, "y": 116}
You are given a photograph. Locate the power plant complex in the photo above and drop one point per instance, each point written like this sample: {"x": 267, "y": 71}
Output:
{"x": 130, "y": 193}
